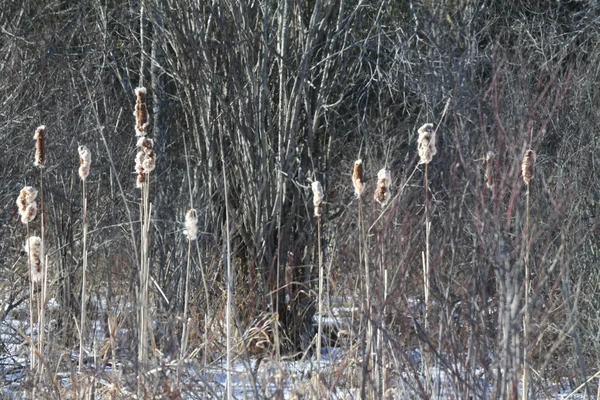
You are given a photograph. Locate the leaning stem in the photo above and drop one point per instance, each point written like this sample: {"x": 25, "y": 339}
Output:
{"x": 42, "y": 299}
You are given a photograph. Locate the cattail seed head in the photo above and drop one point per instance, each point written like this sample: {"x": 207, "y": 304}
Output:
{"x": 33, "y": 248}
{"x": 384, "y": 179}
{"x": 139, "y": 169}
{"x": 191, "y": 225}
{"x": 489, "y": 177}
{"x": 148, "y": 162}
{"x": 141, "y": 112}
{"x": 318, "y": 197}
{"x": 357, "y": 178}
{"x": 426, "y": 143}
{"x": 527, "y": 166}
{"x": 40, "y": 146}
{"x": 26, "y": 204}
{"x": 85, "y": 160}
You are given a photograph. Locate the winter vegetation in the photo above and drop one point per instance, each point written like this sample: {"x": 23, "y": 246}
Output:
{"x": 329, "y": 199}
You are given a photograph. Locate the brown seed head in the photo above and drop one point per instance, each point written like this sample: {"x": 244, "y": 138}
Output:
{"x": 357, "y": 178}
{"x": 141, "y": 112}
{"x": 426, "y": 144}
{"x": 318, "y": 197}
{"x": 489, "y": 178}
{"x": 33, "y": 248}
{"x": 384, "y": 178}
{"x": 527, "y": 166}
{"x": 139, "y": 169}
{"x": 40, "y": 146}
{"x": 26, "y": 204}
{"x": 85, "y": 161}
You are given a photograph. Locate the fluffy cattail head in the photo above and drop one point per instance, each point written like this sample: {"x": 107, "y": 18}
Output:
{"x": 426, "y": 143}
{"x": 26, "y": 204}
{"x": 527, "y": 166}
{"x": 357, "y": 178}
{"x": 148, "y": 162}
{"x": 489, "y": 177}
{"x": 191, "y": 225}
{"x": 141, "y": 112}
{"x": 384, "y": 178}
{"x": 40, "y": 146}
{"x": 139, "y": 169}
{"x": 33, "y": 248}
{"x": 85, "y": 160}
{"x": 318, "y": 197}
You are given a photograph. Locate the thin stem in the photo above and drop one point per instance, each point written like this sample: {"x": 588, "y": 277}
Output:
{"x": 526, "y": 316}
{"x": 320, "y": 318}
{"x": 31, "y": 300}
{"x": 42, "y": 299}
{"x": 83, "y": 279}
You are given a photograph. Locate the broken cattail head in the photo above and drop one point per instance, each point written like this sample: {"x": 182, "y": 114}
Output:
{"x": 191, "y": 225}
{"x": 139, "y": 169}
{"x": 384, "y": 179}
{"x": 141, "y": 112}
{"x": 527, "y": 166}
{"x": 40, "y": 146}
{"x": 357, "y": 178}
{"x": 489, "y": 177}
{"x": 426, "y": 144}
{"x": 318, "y": 197}
{"x": 149, "y": 156}
{"x": 26, "y": 204}
{"x": 85, "y": 160}
{"x": 33, "y": 248}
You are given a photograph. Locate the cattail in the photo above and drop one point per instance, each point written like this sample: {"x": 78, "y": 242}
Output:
{"x": 141, "y": 112}
{"x": 384, "y": 178}
{"x": 318, "y": 197}
{"x": 85, "y": 160}
{"x": 139, "y": 168}
{"x": 489, "y": 177}
{"x": 148, "y": 162}
{"x": 357, "y": 178}
{"x": 191, "y": 225}
{"x": 33, "y": 248}
{"x": 527, "y": 166}
{"x": 40, "y": 149}
{"x": 426, "y": 143}
{"x": 26, "y": 204}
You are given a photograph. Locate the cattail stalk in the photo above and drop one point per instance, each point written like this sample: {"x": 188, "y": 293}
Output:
{"x": 191, "y": 232}
{"x": 40, "y": 161}
{"x": 426, "y": 149}
{"x": 527, "y": 168}
{"x": 85, "y": 159}
{"x": 318, "y": 197}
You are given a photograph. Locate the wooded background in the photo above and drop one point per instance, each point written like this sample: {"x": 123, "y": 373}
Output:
{"x": 296, "y": 91}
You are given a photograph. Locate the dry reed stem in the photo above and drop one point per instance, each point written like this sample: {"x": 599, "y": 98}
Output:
{"x": 40, "y": 146}
{"x": 318, "y": 197}
{"x": 528, "y": 165}
{"x": 141, "y": 112}
{"x": 85, "y": 160}
{"x": 357, "y": 178}
{"x": 489, "y": 174}
{"x": 426, "y": 143}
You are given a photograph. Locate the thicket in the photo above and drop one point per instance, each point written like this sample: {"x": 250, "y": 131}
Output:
{"x": 263, "y": 98}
